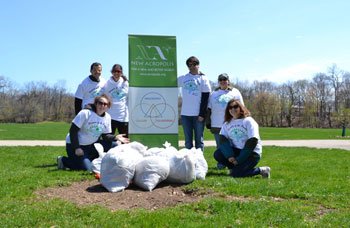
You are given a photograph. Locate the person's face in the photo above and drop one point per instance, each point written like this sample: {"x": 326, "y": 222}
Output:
{"x": 96, "y": 71}
{"x": 223, "y": 83}
{"x": 192, "y": 66}
{"x": 102, "y": 106}
{"x": 117, "y": 72}
{"x": 234, "y": 110}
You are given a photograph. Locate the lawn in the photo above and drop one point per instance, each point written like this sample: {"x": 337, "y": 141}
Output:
{"x": 308, "y": 188}
{"x": 58, "y": 131}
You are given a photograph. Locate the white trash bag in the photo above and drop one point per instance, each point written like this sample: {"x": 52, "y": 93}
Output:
{"x": 151, "y": 171}
{"x": 96, "y": 163}
{"x": 201, "y": 165}
{"x": 118, "y": 168}
{"x": 182, "y": 168}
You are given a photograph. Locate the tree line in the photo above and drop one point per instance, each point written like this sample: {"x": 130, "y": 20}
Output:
{"x": 36, "y": 102}
{"x": 322, "y": 102}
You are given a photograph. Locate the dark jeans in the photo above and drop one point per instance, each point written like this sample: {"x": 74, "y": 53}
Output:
{"x": 245, "y": 169}
{"x": 75, "y": 162}
{"x": 191, "y": 124}
{"x": 122, "y": 127}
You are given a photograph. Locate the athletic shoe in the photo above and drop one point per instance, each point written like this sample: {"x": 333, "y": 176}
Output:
{"x": 97, "y": 176}
{"x": 220, "y": 166}
{"x": 265, "y": 171}
{"x": 60, "y": 164}
{"x": 230, "y": 172}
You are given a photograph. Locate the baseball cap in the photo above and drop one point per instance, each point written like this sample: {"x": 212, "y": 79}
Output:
{"x": 223, "y": 77}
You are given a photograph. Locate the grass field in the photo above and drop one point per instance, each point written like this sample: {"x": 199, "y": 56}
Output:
{"x": 58, "y": 131}
{"x": 308, "y": 188}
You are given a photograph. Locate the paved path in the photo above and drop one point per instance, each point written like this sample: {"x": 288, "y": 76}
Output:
{"x": 340, "y": 144}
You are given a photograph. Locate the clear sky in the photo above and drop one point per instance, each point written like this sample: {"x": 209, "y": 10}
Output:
{"x": 279, "y": 41}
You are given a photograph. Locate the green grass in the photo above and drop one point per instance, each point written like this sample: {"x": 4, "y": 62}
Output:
{"x": 309, "y": 187}
{"x": 270, "y": 133}
{"x": 36, "y": 131}
{"x": 58, "y": 131}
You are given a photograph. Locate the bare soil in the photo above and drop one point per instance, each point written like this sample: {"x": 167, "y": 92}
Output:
{"x": 92, "y": 192}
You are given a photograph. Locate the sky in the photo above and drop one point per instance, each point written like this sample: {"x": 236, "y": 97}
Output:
{"x": 56, "y": 41}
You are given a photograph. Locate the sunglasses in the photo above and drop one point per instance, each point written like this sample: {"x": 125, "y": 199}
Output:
{"x": 192, "y": 64}
{"x": 220, "y": 80}
{"x": 102, "y": 103}
{"x": 234, "y": 106}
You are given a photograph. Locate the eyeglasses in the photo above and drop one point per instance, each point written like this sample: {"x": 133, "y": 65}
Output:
{"x": 102, "y": 103}
{"x": 117, "y": 71}
{"x": 192, "y": 64}
{"x": 234, "y": 106}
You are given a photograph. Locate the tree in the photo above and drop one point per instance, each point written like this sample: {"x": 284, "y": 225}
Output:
{"x": 335, "y": 78}
{"x": 322, "y": 94}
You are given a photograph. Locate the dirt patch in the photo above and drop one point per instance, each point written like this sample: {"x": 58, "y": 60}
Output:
{"x": 92, "y": 192}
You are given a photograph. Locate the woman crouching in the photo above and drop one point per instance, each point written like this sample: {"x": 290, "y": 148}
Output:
{"x": 86, "y": 129}
{"x": 240, "y": 145}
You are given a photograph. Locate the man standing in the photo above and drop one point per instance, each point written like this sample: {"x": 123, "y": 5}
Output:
{"x": 89, "y": 88}
{"x": 195, "y": 93}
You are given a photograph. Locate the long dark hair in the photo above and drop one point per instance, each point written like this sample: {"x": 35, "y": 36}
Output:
{"x": 244, "y": 112}
{"x": 120, "y": 66}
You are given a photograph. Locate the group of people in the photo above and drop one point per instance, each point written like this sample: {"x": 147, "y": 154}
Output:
{"x": 101, "y": 109}
{"x": 223, "y": 112}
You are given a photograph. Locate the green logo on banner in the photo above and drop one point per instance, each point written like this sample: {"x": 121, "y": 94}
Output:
{"x": 152, "y": 61}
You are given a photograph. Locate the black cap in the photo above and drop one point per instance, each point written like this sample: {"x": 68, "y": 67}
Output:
{"x": 223, "y": 77}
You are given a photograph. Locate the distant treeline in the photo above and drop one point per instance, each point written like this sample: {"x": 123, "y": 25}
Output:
{"x": 323, "y": 102}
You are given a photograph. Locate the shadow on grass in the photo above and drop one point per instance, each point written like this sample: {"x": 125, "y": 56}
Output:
{"x": 215, "y": 172}
{"x": 46, "y": 166}
{"x": 98, "y": 188}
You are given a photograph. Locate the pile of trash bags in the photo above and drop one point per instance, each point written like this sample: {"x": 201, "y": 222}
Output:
{"x": 146, "y": 168}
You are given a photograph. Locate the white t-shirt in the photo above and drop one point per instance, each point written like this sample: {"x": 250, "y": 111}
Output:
{"x": 118, "y": 91}
{"x": 91, "y": 125}
{"x": 238, "y": 131}
{"x": 217, "y": 103}
{"x": 192, "y": 88}
{"x": 88, "y": 90}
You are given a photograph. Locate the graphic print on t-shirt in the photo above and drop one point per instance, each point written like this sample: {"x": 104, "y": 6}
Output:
{"x": 95, "y": 92}
{"x": 96, "y": 129}
{"x": 118, "y": 94}
{"x": 191, "y": 87}
{"x": 237, "y": 133}
{"x": 223, "y": 99}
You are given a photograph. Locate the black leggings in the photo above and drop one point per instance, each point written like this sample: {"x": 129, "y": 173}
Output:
{"x": 121, "y": 126}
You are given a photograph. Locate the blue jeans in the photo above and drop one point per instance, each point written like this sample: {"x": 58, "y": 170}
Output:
{"x": 245, "y": 169}
{"x": 217, "y": 139}
{"x": 191, "y": 125}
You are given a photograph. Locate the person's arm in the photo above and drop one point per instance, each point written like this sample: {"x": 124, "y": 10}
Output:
{"x": 225, "y": 147}
{"x": 204, "y": 104}
{"x": 77, "y": 105}
{"x": 248, "y": 148}
{"x": 110, "y": 138}
{"x": 73, "y": 134}
{"x": 208, "y": 119}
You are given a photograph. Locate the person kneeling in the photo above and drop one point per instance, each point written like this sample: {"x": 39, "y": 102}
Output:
{"x": 86, "y": 129}
{"x": 240, "y": 145}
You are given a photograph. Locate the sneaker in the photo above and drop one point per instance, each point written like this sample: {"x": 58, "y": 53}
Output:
{"x": 230, "y": 172}
{"x": 97, "y": 176}
{"x": 220, "y": 166}
{"x": 60, "y": 164}
{"x": 265, "y": 171}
